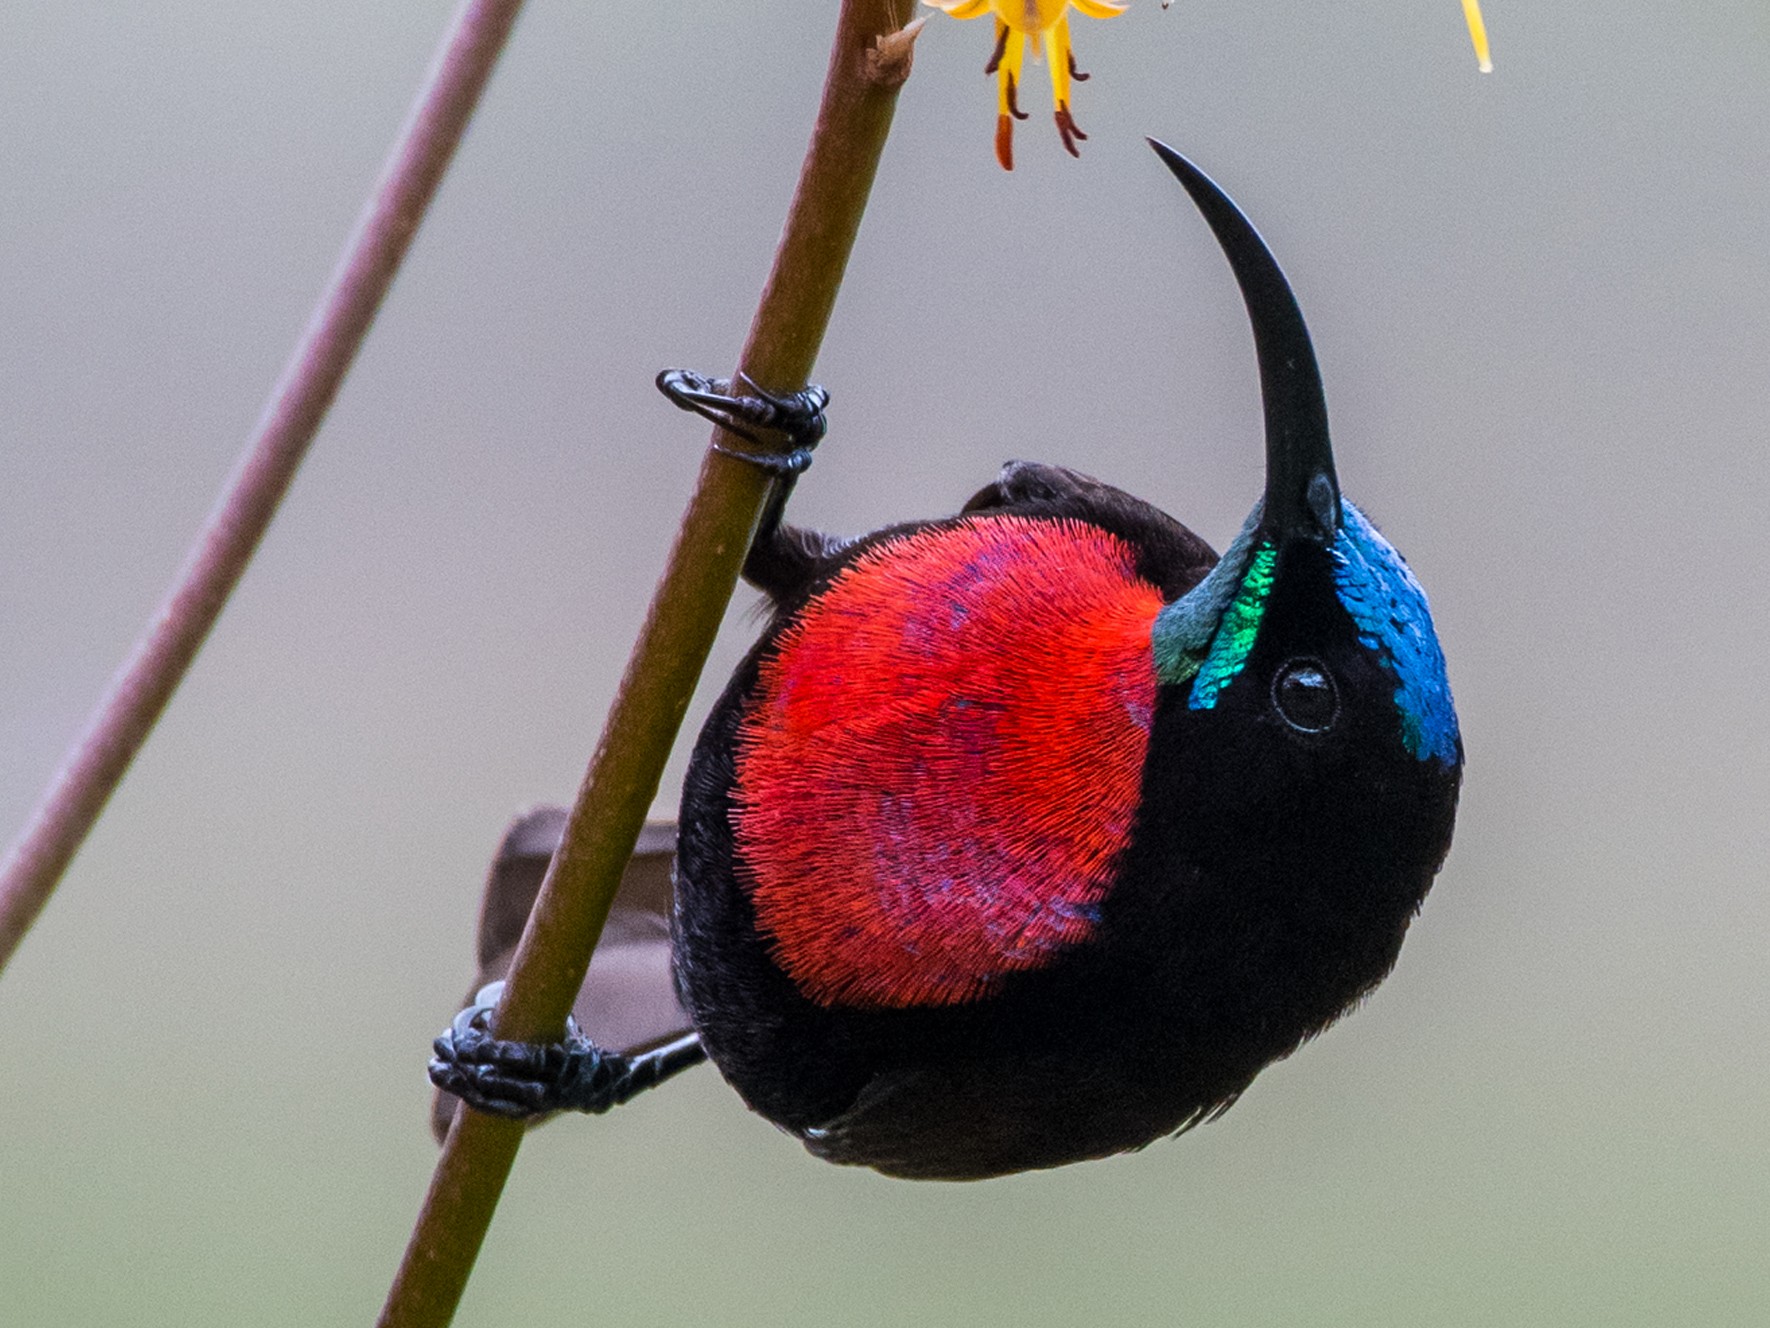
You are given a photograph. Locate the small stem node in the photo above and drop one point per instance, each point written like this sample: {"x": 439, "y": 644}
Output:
{"x": 891, "y": 57}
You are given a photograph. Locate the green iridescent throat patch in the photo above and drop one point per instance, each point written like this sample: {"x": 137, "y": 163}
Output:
{"x": 1185, "y": 629}
{"x": 1235, "y": 636}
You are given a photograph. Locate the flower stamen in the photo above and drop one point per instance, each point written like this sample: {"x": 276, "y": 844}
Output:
{"x": 1014, "y": 102}
{"x": 1067, "y": 127}
{"x": 995, "y": 61}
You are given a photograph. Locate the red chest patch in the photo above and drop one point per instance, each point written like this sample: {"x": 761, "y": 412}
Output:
{"x": 942, "y": 758}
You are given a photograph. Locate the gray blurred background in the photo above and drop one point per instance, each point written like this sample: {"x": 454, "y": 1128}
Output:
{"x": 1540, "y": 303}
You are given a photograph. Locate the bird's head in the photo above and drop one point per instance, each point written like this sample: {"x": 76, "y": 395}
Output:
{"x": 1309, "y": 646}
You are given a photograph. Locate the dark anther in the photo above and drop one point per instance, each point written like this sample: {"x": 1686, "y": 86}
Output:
{"x": 1013, "y": 102}
{"x": 1075, "y": 73}
{"x": 995, "y": 61}
{"x": 1070, "y": 131}
{"x": 1005, "y": 142}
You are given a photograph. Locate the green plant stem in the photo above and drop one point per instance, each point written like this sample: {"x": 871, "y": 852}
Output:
{"x": 869, "y": 60}
{"x": 138, "y": 694}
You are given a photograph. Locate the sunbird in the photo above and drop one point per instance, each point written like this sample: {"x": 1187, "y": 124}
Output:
{"x": 1031, "y": 834}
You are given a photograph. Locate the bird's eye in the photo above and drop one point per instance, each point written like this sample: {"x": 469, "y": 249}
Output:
{"x": 1305, "y": 697}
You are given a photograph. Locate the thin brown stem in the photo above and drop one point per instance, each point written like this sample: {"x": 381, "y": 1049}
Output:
{"x": 869, "y": 61}
{"x": 145, "y": 683}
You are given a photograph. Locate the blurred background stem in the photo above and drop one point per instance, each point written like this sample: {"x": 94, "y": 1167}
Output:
{"x": 138, "y": 694}
{"x": 869, "y": 60}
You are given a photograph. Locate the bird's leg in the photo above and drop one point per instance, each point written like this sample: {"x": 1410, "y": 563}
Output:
{"x": 523, "y": 1079}
{"x": 780, "y": 555}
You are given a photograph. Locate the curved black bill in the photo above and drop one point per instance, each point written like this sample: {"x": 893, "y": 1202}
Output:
{"x": 1302, "y": 492}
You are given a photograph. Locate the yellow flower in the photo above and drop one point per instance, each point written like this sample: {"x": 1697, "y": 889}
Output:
{"x": 1019, "y": 22}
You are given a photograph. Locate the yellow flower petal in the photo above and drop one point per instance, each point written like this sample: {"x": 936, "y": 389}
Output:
{"x": 961, "y": 8}
{"x": 1478, "y": 34}
{"x": 1057, "y": 54}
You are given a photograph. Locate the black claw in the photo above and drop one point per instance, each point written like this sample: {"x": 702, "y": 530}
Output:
{"x": 518, "y": 1080}
{"x": 514, "y": 1079}
{"x": 471, "y": 1023}
{"x": 798, "y": 415}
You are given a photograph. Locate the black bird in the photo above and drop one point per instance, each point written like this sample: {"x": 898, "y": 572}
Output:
{"x": 1035, "y": 833}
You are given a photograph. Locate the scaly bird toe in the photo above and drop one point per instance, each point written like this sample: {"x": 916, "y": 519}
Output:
{"x": 799, "y": 416}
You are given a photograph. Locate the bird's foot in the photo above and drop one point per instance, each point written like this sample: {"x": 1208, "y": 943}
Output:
{"x": 797, "y": 415}
{"x": 519, "y": 1080}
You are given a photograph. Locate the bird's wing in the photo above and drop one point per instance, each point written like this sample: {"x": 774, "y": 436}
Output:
{"x": 628, "y": 1000}
{"x": 1167, "y": 554}
{"x": 1024, "y": 482}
